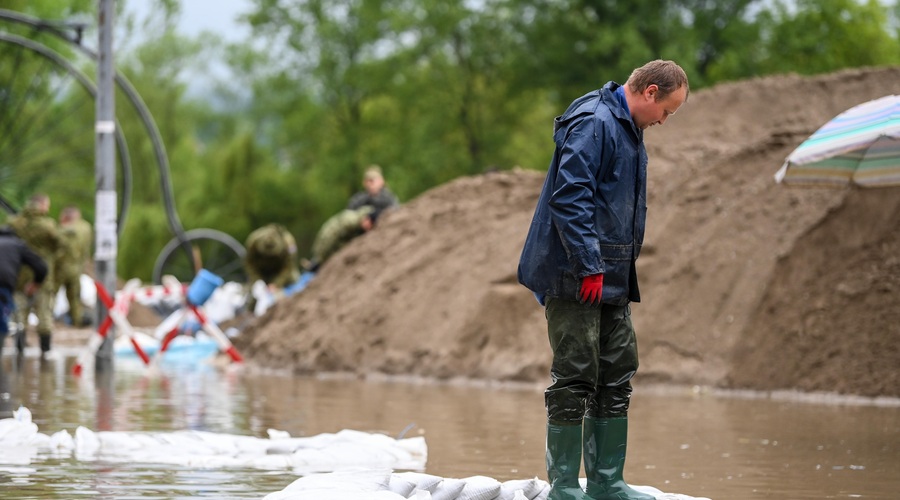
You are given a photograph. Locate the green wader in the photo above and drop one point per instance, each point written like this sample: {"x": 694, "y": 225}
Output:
{"x": 594, "y": 358}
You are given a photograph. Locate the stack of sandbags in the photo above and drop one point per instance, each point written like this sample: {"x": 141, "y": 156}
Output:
{"x": 22, "y": 443}
{"x": 382, "y": 484}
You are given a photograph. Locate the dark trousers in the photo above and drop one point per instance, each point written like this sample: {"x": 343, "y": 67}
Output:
{"x": 6, "y": 308}
{"x": 594, "y": 358}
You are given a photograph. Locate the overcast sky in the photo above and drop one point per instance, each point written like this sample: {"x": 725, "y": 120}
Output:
{"x": 218, "y": 16}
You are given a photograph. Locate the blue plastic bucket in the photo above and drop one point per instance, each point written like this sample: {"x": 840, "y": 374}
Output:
{"x": 203, "y": 286}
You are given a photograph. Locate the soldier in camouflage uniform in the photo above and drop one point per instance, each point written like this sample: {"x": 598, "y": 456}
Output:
{"x": 271, "y": 256}
{"x": 375, "y": 193}
{"x": 77, "y": 236}
{"x": 339, "y": 230}
{"x": 41, "y": 234}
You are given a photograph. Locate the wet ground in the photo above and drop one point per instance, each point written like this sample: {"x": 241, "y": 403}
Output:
{"x": 683, "y": 440}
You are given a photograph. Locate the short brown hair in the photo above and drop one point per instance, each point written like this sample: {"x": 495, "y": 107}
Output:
{"x": 666, "y": 75}
{"x": 373, "y": 171}
{"x": 38, "y": 200}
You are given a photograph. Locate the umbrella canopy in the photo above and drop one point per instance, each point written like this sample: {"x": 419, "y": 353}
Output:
{"x": 859, "y": 146}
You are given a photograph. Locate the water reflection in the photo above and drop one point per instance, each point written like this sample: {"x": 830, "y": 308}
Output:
{"x": 681, "y": 440}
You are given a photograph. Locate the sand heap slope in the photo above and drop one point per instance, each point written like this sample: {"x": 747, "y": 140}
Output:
{"x": 432, "y": 291}
{"x": 745, "y": 283}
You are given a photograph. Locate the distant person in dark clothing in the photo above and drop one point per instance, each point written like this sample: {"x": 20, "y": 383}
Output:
{"x": 376, "y": 193}
{"x": 41, "y": 233}
{"x": 14, "y": 254}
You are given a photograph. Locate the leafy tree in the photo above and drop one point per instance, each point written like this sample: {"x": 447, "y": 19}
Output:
{"x": 811, "y": 37}
{"x": 725, "y": 38}
{"x": 50, "y": 9}
{"x": 42, "y": 108}
{"x": 429, "y": 89}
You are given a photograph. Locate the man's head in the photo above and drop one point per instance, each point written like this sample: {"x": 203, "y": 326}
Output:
{"x": 69, "y": 214}
{"x": 39, "y": 202}
{"x": 373, "y": 179}
{"x": 655, "y": 91}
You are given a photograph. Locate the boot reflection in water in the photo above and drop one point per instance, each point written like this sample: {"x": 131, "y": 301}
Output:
{"x": 605, "y": 442}
{"x": 564, "y": 462}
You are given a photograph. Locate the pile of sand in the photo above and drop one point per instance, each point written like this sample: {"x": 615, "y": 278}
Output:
{"x": 745, "y": 283}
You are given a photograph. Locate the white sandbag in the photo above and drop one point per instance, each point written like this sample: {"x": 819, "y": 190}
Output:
{"x": 356, "y": 480}
{"x": 660, "y": 495}
{"x": 87, "y": 444}
{"x": 530, "y": 488}
{"x": 423, "y": 482}
{"x": 480, "y": 488}
{"x": 544, "y": 493}
{"x": 277, "y": 434}
{"x": 332, "y": 494}
{"x": 62, "y": 440}
{"x": 13, "y": 432}
{"x": 339, "y": 485}
{"x": 401, "y": 486}
{"x": 448, "y": 489}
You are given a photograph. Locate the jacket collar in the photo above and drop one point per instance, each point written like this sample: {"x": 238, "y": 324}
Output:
{"x": 607, "y": 93}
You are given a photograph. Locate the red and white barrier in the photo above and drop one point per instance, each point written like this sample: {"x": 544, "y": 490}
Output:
{"x": 151, "y": 295}
{"x": 117, "y": 313}
{"x": 171, "y": 291}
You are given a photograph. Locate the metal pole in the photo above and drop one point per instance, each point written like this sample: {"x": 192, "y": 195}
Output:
{"x": 105, "y": 222}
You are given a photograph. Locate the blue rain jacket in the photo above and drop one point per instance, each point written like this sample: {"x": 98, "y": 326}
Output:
{"x": 591, "y": 213}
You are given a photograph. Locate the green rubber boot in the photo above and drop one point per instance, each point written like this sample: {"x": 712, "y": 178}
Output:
{"x": 564, "y": 462}
{"x": 604, "y": 459}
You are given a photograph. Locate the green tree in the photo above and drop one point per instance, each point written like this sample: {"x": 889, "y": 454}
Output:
{"x": 811, "y": 37}
{"x": 42, "y": 108}
{"x": 724, "y": 39}
{"x": 50, "y": 9}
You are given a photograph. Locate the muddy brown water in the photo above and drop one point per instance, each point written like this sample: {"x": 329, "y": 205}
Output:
{"x": 702, "y": 443}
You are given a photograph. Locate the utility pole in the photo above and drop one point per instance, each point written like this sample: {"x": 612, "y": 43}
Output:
{"x": 105, "y": 222}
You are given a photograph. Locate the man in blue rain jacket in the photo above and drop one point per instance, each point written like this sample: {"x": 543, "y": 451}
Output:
{"x": 579, "y": 260}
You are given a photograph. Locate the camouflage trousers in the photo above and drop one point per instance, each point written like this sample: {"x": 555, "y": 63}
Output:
{"x": 42, "y": 305}
{"x": 71, "y": 280}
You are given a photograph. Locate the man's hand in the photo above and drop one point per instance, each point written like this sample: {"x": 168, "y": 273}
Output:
{"x": 31, "y": 288}
{"x": 591, "y": 289}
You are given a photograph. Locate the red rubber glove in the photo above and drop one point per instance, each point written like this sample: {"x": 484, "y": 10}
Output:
{"x": 591, "y": 289}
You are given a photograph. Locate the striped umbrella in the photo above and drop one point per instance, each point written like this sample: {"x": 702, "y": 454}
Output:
{"x": 859, "y": 146}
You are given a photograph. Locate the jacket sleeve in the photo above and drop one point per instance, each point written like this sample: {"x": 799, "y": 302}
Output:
{"x": 572, "y": 202}
{"x": 35, "y": 262}
{"x": 357, "y": 200}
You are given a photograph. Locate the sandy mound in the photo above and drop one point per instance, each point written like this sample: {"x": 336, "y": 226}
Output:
{"x": 745, "y": 283}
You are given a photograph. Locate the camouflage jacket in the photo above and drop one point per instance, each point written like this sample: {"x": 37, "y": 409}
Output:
{"x": 77, "y": 238}
{"x": 271, "y": 256}
{"x": 337, "y": 232}
{"x": 39, "y": 232}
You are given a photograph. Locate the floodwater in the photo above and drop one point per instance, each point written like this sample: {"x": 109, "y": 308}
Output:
{"x": 723, "y": 446}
